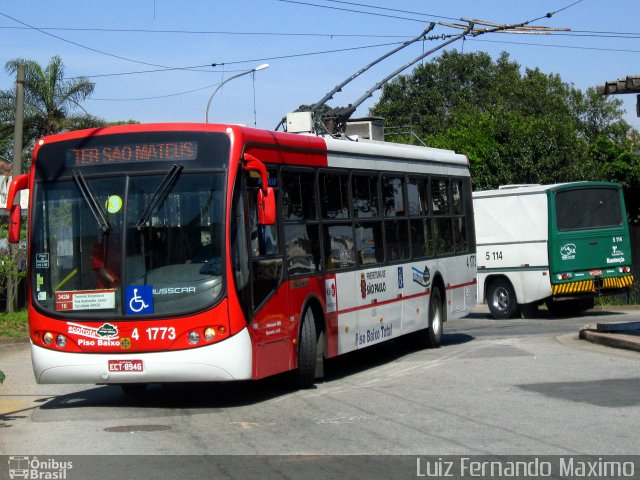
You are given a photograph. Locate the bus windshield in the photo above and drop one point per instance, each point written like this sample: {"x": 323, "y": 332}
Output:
{"x": 585, "y": 208}
{"x": 111, "y": 244}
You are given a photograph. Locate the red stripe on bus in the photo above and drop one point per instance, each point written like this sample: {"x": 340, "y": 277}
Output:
{"x": 376, "y": 303}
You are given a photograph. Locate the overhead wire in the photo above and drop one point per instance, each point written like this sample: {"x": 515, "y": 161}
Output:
{"x": 550, "y": 45}
{"x": 246, "y": 61}
{"x": 309, "y": 4}
{"x": 95, "y": 50}
{"x": 430, "y": 15}
{"x": 164, "y": 68}
{"x": 237, "y": 62}
{"x": 203, "y": 32}
{"x": 572, "y": 33}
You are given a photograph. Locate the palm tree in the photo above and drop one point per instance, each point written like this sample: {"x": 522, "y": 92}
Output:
{"x": 51, "y": 100}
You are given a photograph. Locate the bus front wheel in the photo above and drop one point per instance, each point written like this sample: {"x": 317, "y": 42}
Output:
{"x": 307, "y": 351}
{"x": 501, "y": 299}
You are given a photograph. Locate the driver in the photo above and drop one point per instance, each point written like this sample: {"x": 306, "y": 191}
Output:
{"x": 105, "y": 275}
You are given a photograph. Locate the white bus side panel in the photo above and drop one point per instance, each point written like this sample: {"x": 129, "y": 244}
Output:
{"x": 380, "y": 303}
{"x": 529, "y": 286}
{"x": 505, "y": 219}
{"x": 511, "y": 235}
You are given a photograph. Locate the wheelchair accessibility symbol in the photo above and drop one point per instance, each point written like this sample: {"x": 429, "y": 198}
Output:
{"x": 139, "y": 299}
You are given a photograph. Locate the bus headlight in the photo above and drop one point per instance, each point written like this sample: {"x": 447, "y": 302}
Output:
{"x": 194, "y": 337}
{"x": 61, "y": 341}
{"x": 47, "y": 338}
{"x": 209, "y": 334}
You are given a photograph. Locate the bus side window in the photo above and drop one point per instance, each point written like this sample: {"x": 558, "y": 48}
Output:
{"x": 239, "y": 256}
{"x": 264, "y": 238}
{"x": 266, "y": 262}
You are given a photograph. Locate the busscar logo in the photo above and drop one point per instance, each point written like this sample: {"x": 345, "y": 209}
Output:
{"x": 34, "y": 467}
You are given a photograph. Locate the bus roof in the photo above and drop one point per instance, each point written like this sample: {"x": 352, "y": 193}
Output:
{"x": 510, "y": 190}
{"x": 394, "y": 150}
{"x": 335, "y": 146}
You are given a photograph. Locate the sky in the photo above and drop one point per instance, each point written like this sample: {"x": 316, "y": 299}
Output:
{"x": 153, "y": 60}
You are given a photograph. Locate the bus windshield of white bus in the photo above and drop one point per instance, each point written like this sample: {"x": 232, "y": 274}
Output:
{"x": 585, "y": 208}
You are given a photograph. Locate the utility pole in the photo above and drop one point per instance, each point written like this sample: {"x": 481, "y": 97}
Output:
{"x": 16, "y": 169}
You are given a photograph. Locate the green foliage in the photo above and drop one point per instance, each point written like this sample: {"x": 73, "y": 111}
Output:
{"x": 515, "y": 127}
{"x": 14, "y": 325}
{"x": 13, "y": 261}
{"x": 50, "y": 99}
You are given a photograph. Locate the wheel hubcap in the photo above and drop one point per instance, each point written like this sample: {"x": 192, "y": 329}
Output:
{"x": 501, "y": 299}
{"x": 436, "y": 322}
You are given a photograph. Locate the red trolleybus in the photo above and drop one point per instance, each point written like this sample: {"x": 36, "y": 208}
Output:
{"x": 191, "y": 252}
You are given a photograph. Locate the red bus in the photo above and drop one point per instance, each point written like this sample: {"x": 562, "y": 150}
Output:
{"x": 197, "y": 252}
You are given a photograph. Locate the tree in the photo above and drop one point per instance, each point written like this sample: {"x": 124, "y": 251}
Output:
{"x": 51, "y": 104}
{"x": 515, "y": 127}
{"x": 50, "y": 99}
{"x": 12, "y": 266}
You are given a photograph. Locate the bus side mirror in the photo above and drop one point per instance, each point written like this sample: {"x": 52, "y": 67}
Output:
{"x": 266, "y": 206}
{"x": 14, "y": 224}
{"x": 18, "y": 183}
{"x": 266, "y": 201}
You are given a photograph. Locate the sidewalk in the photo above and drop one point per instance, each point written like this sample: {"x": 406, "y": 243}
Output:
{"x": 624, "y": 335}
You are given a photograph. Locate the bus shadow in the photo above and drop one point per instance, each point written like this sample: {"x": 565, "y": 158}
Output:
{"x": 385, "y": 353}
{"x": 199, "y": 396}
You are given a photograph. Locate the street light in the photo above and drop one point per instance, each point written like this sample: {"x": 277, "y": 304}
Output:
{"x": 259, "y": 67}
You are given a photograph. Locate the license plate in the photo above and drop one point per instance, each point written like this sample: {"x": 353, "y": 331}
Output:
{"x": 119, "y": 366}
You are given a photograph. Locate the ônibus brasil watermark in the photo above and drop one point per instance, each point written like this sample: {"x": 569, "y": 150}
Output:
{"x": 38, "y": 468}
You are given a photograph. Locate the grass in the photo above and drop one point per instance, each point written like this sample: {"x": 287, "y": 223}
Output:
{"x": 14, "y": 325}
{"x": 631, "y": 298}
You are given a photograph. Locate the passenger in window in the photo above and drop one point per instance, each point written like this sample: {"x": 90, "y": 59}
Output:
{"x": 201, "y": 252}
{"x": 104, "y": 265}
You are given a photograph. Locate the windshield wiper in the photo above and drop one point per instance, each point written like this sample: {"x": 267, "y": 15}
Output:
{"x": 90, "y": 197}
{"x": 159, "y": 194}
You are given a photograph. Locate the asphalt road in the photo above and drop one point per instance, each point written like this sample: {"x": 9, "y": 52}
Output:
{"x": 525, "y": 386}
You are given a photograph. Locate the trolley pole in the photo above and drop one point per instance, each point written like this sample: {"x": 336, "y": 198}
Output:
{"x": 16, "y": 169}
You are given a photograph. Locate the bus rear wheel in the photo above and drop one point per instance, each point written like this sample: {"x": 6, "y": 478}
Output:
{"x": 436, "y": 319}
{"x": 501, "y": 299}
{"x": 305, "y": 374}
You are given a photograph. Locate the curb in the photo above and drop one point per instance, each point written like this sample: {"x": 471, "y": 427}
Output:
{"x": 614, "y": 340}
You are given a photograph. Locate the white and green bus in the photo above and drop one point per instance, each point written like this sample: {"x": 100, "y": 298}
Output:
{"x": 558, "y": 244}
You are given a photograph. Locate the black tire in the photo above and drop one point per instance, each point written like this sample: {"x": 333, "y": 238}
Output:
{"x": 305, "y": 374}
{"x": 501, "y": 299}
{"x": 436, "y": 319}
{"x": 568, "y": 308}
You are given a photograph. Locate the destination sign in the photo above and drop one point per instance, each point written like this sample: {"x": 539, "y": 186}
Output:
{"x": 133, "y": 152}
